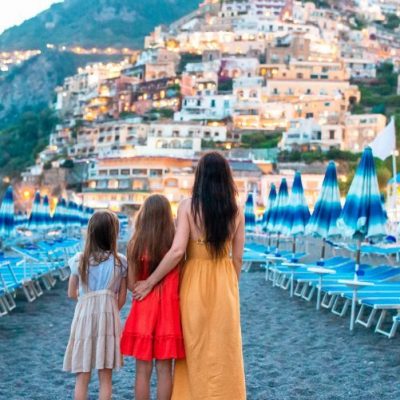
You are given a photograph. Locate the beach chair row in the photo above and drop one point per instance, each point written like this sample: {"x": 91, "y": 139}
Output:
{"x": 33, "y": 268}
{"x": 378, "y": 303}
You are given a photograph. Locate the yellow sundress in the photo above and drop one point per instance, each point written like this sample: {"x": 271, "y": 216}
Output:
{"x": 210, "y": 312}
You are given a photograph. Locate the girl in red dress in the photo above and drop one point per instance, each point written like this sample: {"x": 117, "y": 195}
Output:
{"x": 153, "y": 329}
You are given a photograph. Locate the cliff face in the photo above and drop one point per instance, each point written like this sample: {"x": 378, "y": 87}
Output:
{"x": 95, "y": 23}
{"x": 31, "y": 85}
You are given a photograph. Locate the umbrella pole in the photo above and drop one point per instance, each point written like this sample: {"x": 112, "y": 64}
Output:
{"x": 294, "y": 246}
{"x": 354, "y": 299}
{"x": 269, "y": 242}
{"x": 323, "y": 248}
{"x": 277, "y": 243}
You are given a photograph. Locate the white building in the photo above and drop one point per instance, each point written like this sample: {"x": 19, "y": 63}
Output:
{"x": 360, "y": 68}
{"x": 213, "y": 107}
{"x": 309, "y": 134}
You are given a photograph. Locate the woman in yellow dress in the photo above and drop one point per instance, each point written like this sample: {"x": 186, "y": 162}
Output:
{"x": 210, "y": 232}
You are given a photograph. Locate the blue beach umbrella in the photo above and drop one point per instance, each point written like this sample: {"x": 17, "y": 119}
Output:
{"x": 323, "y": 222}
{"x": 45, "y": 210}
{"x": 276, "y": 220}
{"x": 60, "y": 214}
{"x": 36, "y": 216}
{"x": 7, "y": 221}
{"x": 81, "y": 215}
{"x": 270, "y": 205}
{"x": 249, "y": 213}
{"x": 363, "y": 216}
{"x": 21, "y": 219}
{"x": 297, "y": 214}
{"x": 268, "y": 212}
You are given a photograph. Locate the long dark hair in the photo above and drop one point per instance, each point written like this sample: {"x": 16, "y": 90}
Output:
{"x": 153, "y": 236}
{"x": 101, "y": 242}
{"x": 214, "y": 205}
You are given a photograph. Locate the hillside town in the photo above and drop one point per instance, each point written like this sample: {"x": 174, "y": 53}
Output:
{"x": 283, "y": 70}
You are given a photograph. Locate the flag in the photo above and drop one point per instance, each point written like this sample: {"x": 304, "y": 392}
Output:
{"x": 384, "y": 144}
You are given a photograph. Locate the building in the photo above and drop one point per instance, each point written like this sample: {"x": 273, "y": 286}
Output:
{"x": 353, "y": 134}
{"x": 120, "y": 183}
{"x": 207, "y": 107}
{"x": 103, "y": 139}
{"x": 361, "y": 130}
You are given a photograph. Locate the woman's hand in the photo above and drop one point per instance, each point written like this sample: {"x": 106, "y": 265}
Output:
{"x": 142, "y": 289}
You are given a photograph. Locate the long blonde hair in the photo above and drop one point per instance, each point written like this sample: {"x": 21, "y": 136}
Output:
{"x": 101, "y": 242}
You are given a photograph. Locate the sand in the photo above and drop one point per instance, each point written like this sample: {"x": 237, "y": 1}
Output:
{"x": 291, "y": 351}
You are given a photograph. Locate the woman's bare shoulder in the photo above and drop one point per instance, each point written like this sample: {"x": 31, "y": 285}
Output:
{"x": 185, "y": 204}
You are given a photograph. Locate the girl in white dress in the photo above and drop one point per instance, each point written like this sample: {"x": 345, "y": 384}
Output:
{"x": 98, "y": 282}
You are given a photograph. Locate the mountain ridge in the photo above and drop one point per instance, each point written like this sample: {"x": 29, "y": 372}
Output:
{"x": 94, "y": 23}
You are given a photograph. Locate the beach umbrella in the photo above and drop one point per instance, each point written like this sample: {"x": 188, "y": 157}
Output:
{"x": 7, "y": 222}
{"x": 362, "y": 216}
{"x": 36, "y": 216}
{"x": 323, "y": 222}
{"x": 268, "y": 212}
{"x": 86, "y": 214}
{"x": 60, "y": 214}
{"x": 297, "y": 213}
{"x": 21, "y": 219}
{"x": 276, "y": 220}
{"x": 270, "y": 205}
{"x": 249, "y": 213}
{"x": 45, "y": 210}
{"x": 81, "y": 215}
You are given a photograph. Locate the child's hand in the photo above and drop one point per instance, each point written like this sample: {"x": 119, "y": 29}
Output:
{"x": 141, "y": 289}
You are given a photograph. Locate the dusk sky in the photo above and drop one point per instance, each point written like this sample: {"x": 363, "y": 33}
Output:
{"x": 16, "y": 11}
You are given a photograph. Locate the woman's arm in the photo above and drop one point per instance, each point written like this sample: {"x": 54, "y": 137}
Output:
{"x": 73, "y": 285}
{"x": 122, "y": 293}
{"x": 172, "y": 258}
{"x": 238, "y": 245}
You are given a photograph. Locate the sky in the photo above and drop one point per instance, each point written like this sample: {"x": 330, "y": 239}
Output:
{"x": 14, "y": 12}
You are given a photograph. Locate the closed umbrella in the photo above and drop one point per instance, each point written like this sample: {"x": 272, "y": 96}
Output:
{"x": 323, "y": 222}
{"x": 268, "y": 212}
{"x": 7, "y": 219}
{"x": 363, "y": 216}
{"x": 249, "y": 213}
{"x": 297, "y": 213}
{"x": 45, "y": 210}
{"x": 36, "y": 217}
{"x": 275, "y": 223}
{"x": 60, "y": 214}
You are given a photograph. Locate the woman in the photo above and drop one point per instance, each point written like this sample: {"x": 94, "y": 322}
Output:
{"x": 210, "y": 230}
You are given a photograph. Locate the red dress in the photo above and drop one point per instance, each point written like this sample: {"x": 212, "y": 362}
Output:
{"x": 153, "y": 329}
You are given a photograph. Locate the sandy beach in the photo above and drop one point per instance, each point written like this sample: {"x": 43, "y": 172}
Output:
{"x": 291, "y": 351}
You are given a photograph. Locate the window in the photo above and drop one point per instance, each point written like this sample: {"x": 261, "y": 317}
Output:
{"x": 156, "y": 172}
{"x": 212, "y": 103}
{"x": 226, "y": 103}
{"x": 331, "y": 134}
{"x": 103, "y": 172}
{"x": 137, "y": 171}
{"x": 114, "y": 172}
{"x": 125, "y": 172}
{"x": 299, "y": 75}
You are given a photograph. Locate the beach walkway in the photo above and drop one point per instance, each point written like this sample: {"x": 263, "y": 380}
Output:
{"x": 291, "y": 351}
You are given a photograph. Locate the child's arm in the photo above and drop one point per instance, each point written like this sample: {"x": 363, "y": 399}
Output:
{"x": 73, "y": 285}
{"x": 122, "y": 293}
{"x": 172, "y": 258}
{"x": 131, "y": 280}
{"x": 238, "y": 245}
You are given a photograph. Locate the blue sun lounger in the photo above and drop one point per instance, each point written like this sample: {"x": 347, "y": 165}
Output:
{"x": 385, "y": 303}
